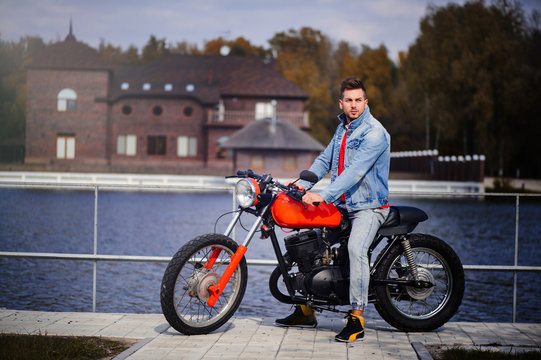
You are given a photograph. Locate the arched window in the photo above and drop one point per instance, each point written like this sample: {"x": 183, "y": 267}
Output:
{"x": 66, "y": 100}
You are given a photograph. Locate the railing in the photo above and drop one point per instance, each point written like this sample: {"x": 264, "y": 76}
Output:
{"x": 243, "y": 117}
{"x": 426, "y": 164}
{"x": 95, "y": 257}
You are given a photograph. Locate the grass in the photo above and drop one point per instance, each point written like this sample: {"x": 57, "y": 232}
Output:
{"x": 478, "y": 354}
{"x": 44, "y": 347}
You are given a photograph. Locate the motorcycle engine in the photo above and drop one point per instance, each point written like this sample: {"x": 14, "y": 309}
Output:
{"x": 302, "y": 249}
{"x": 329, "y": 283}
{"x": 317, "y": 276}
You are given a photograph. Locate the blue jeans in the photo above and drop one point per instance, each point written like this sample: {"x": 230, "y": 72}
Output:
{"x": 364, "y": 226}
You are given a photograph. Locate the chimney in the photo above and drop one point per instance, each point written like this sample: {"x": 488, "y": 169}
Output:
{"x": 273, "y": 119}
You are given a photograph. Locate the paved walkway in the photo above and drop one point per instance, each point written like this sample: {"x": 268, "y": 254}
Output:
{"x": 258, "y": 338}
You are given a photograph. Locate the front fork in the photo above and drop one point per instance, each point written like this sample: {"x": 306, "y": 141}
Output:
{"x": 216, "y": 290}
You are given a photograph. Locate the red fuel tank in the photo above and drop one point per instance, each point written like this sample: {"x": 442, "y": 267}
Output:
{"x": 291, "y": 214}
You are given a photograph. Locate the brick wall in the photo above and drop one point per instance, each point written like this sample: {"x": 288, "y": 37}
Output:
{"x": 96, "y": 125}
{"x": 176, "y": 119}
{"x": 87, "y": 122}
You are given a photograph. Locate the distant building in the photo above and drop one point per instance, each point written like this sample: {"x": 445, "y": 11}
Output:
{"x": 173, "y": 115}
{"x": 272, "y": 144}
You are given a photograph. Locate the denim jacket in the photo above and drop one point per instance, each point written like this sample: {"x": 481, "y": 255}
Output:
{"x": 364, "y": 179}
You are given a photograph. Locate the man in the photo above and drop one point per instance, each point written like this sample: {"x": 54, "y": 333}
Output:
{"x": 358, "y": 158}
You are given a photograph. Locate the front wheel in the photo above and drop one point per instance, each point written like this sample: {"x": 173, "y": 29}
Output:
{"x": 410, "y": 308}
{"x": 193, "y": 269}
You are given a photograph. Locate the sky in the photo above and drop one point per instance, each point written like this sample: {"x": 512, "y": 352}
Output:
{"x": 394, "y": 23}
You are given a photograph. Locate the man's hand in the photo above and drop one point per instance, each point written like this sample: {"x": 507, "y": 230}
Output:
{"x": 295, "y": 183}
{"x": 310, "y": 198}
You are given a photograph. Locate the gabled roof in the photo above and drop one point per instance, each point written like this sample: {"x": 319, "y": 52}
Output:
{"x": 69, "y": 54}
{"x": 209, "y": 78}
{"x": 204, "y": 78}
{"x": 263, "y": 134}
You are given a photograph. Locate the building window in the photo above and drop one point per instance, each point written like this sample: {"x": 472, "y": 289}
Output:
{"x": 263, "y": 110}
{"x": 157, "y": 110}
{"x": 290, "y": 162}
{"x": 186, "y": 146}
{"x": 156, "y": 145}
{"x": 221, "y": 152}
{"x": 127, "y": 110}
{"x": 126, "y": 145}
{"x": 146, "y": 86}
{"x": 66, "y": 100}
{"x": 257, "y": 162}
{"x": 65, "y": 146}
{"x": 124, "y": 86}
{"x": 190, "y": 87}
{"x": 168, "y": 87}
{"x": 188, "y": 111}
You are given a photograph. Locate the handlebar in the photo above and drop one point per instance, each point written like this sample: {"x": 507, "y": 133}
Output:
{"x": 245, "y": 174}
{"x": 291, "y": 190}
{"x": 265, "y": 177}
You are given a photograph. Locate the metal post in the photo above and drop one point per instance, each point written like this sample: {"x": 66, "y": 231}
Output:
{"x": 516, "y": 260}
{"x": 95, "y": 247}
{"x": 233, "y": 233}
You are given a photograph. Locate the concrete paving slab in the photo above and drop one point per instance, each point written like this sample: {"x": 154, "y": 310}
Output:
{"x": 259, "y": 338}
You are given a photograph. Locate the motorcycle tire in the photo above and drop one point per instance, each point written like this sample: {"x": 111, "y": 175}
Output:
{"x": 420, "y": 309}
{"x": 184, "y": 290}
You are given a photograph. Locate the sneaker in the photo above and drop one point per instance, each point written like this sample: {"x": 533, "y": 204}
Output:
{"x": 353, "y": 330}
{"x": 299, "y": 319}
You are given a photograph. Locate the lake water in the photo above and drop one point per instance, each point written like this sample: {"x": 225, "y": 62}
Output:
{"x": 481, "y": 231}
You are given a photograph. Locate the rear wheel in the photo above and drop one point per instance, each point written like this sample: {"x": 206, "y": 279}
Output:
{"x": 184, "y": 292}
{"x": 420, "y": 309}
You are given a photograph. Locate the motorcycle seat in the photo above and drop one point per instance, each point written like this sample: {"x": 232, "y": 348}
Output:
{"x": 401, "y": 220}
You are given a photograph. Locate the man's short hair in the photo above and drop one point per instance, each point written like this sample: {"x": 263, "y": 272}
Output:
{"x": 351, "y": 83}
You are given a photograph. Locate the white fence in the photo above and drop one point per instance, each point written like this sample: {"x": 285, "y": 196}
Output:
{"x": 67, "y": 178}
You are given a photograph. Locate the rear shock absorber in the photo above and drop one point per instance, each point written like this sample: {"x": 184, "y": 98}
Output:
{"x": 409, "y": 256}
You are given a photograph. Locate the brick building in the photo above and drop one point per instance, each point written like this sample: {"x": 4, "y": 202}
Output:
{"x": 170, "y": 116}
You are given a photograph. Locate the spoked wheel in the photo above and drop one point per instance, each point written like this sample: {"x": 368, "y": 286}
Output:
{"x": 416, "y": 308}
{"x": 193, "y": 269}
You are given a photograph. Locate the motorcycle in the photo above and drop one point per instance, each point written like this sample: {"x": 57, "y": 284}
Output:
{"x": 416, "y": 280}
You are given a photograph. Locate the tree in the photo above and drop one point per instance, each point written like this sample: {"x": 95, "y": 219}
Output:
{"x": 464, "y": 76}
{"x": 14, "y": 57}
{"x": 185, "y": 48}
{"x": 238, "y": 47}
{"x": 110, "y": 53}
{"x": 131, "y": 55}
{"x": 377, "y": 71}
{"x": 114, "y": 54}
{"x": 153, "y": 49}
{"x": 304, "y": 57}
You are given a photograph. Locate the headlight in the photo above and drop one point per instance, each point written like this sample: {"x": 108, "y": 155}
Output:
{"x": 246, "y": 192}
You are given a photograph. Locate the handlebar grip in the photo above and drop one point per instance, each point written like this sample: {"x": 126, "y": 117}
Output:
{"x": 247, "y": 173}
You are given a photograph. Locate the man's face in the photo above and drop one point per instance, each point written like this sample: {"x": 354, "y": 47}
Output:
{"x": 353, "y": 103}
